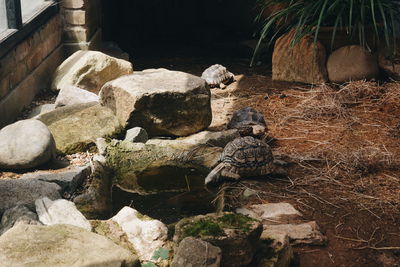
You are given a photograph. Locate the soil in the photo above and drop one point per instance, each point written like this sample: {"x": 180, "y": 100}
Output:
{"x": 341, "y": 143}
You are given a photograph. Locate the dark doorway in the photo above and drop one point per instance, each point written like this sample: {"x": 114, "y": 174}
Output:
{"x": 175, "y": 33}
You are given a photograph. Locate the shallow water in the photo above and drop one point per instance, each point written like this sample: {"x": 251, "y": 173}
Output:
{"x": 181, "y": 194}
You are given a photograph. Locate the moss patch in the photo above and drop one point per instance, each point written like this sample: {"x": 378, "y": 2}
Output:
{"x": 214, "y": 226}
{"x": 236, "y": 221}
{"x": 204, "y": 227}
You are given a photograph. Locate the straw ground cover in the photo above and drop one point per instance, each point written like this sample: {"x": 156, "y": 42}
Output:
{"x": 342, "y": 143}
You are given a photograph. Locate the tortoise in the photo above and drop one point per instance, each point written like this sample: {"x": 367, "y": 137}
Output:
{"x": 217, "y": 76}
{"x": 242, "y": 158}
{"x": 248, "y": 121}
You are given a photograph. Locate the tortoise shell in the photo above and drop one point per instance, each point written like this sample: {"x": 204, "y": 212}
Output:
{"x": 246, "y": 157}
{"x": 216, "y": 74}
{"x": 246, "y": 117}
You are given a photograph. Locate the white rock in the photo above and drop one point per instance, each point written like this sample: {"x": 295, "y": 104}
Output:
{"x": 89, "y": 70}
{"x": 70, "y": 95}
{"x": 26, "y": 144}
{"x": 60, "y": 211}
{"x": 136, "y": 135}
{"x": 145, "y": 234}
{"x": 305, "y": 233}
{"x": 276, "y": 212}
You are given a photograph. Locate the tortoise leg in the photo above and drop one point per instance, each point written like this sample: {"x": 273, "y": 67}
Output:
{"x": 230, "y": 174}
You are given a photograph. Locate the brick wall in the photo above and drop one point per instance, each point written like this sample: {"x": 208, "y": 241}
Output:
{"x": 81, "y": 24}
{"x": 27, "y": 68}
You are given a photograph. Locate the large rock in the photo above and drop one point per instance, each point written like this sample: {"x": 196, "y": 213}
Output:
{"x": 350, "y": 63}
{"x": 25, "y": 144}
{"x": 150, "y": 169}
{"x": 70, "y": 95}
{"x": 60, "y": 245}
{"x": 196, "y": 252}
{"x": 89, "y": 70}
{"x": 60, "y": 211}
{"x": 146, "y": 234}
{"x": 76, "y": 127}
{"x": 25, "y": 192}
{"x": 17, "y": 214}
{"x": 303, "y": 62}
{"x": 236, "y": 235}
{"x": 161, "y": 101}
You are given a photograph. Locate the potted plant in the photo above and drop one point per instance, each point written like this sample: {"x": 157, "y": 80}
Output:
{"x": 363, "y": 21}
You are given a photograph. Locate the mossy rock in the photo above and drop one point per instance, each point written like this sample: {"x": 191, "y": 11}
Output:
{"x": 95, "y": 201}
{"x": 237, "y": 235}
{"x": 76, "y": 127}
{"x": 150, "y": 169}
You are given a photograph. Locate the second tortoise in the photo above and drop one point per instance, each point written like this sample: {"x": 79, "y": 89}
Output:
{"x": 243, "y": 157}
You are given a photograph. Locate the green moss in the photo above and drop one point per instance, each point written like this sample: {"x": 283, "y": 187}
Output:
{"x": 236, "y": 221}
{"x": 203, "y": 227}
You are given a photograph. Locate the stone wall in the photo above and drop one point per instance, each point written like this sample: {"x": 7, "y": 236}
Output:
{"x": 81, "y": 24}
{"x": 27, "y": 68}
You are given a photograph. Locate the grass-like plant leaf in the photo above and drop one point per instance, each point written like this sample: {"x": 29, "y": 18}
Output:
{"x": 357, "y": 17}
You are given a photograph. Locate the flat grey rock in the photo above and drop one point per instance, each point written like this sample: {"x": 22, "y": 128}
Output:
{"x": 25, "y": 144}
{"x": 68, "y": 180}
{"x": 32, "y": 186}
{"x": 25, "y": 192}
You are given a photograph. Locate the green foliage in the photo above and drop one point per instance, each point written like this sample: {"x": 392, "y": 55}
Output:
{"x": 148, "y": 264}
{"x": 357, "y": 17}
{"x": 160, "y": 253}
{"x": 203, "y": 227}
